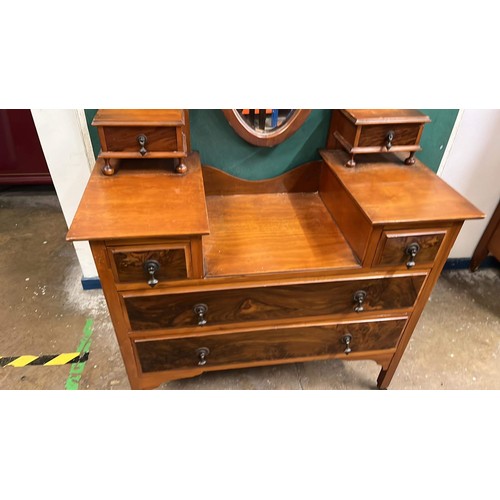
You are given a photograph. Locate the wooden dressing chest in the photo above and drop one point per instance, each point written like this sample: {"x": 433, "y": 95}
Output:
{"x": 204, "y": 271}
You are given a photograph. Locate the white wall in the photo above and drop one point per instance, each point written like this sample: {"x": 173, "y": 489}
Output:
{"x": 472, "y": 167}
{"x": 66, "y": 145}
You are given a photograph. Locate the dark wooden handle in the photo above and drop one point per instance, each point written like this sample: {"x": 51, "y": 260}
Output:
{"x": 142, "y": 140}
{"x": 200, "y": 310}
{"x": 388, "y": 139}
{"x": 202, "y": 354}
{"x": 359, "y": 299}
{"x": 151, "y": 267}
{"x": 412, "y": 251}
{"x": 347, "y": 339}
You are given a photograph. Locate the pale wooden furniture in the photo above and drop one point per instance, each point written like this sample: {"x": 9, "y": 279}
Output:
{"x": 206, "y": 272}
{"x": 143, "y": 133}
{"x": 361, "y": 131}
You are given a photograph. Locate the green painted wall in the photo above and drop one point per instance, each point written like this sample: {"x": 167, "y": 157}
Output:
{"x": 436, "y": 135}
{"x": 94, "y": 136}
{"x": 221, "y": 147}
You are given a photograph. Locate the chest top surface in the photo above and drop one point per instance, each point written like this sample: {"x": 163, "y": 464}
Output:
{"x": 389, "y": 191}
{"x": 151, "y": 201}
{"x": 384, "y": 116}
{"x": 139, "y": 117}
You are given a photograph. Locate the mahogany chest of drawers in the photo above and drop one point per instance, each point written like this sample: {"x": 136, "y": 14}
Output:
{"x": 205, "y": 271}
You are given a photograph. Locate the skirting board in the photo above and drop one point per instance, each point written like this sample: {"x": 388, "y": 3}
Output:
{"x": 91, "y": 283}
{"x": 490, "y": 261}
{"x": 94, "y": 283}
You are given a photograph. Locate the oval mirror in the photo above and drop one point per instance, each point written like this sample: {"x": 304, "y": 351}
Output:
{"x": 266, "y": 127}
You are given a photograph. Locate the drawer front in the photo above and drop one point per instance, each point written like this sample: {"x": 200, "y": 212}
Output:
{"x": 125, "y": 139}
{"x": 270, "y": 303}
{"x": 376, "y": 135}
{"x": 154, "y": 263}
{"x": 396, "y": 248}
{"x": 267, "y": 345}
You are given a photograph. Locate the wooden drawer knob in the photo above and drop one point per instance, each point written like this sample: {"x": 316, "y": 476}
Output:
{"x": 202, "y": 354}
{"x": 200, "y": 310}
{"x": 412, "y": 251}
{"x": 359, "y": 299}
{"x": 142, "y": 140}
{"x": 151, "y": 267}
{"x": 347, "y": 339}
{"x": 388, "y": 139}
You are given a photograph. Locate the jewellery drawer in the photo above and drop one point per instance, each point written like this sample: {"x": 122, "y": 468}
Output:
{"x": 151, "y": 264}
{"x": 141, "y": 140}
{"x": 409, "y": 249}
{"x": 377, "y": 136}
{"x": 148, "y": 311}
{"x": 254, "y": 347}
{"x": 376, "y": 131}
{"x": 136, "y": 133}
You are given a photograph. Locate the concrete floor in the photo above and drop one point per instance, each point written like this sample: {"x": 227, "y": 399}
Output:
{"x": 43, "y": 310}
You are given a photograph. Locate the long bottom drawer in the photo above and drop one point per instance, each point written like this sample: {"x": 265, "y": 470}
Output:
{"x": 267, "y": 345}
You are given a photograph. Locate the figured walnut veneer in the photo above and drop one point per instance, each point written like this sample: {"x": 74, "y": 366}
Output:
{"x": 286, "y": 344}
{"x": 266, "y": 272}
{"x": 271, "y": 303}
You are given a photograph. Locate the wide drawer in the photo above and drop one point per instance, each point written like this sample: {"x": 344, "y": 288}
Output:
{"x": 268, "y": 345}
{"x": 151, "y": 264}
{"x": 409, "y": 249}
{"x": 175, "y": 310}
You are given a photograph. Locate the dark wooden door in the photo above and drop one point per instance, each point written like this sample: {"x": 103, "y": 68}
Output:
{"x": 21, "y": 156}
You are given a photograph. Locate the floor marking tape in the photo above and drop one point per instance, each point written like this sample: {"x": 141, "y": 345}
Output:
{"x": 44, "y": 360}
{"x": 76, "y": 370}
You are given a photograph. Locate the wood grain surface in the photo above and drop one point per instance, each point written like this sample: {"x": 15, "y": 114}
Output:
{"x": 390, "y": 192}
{"x": 351, "y": 220}
{"x": 143, "y": 200}
{"x": 125, "y": 139}
{"x": 384, "y": 116}
{"x": 302, "y": 179}
{"x": 266, "y": 233}
{"x": 139, "y": 117}
{"x": 267, "y": 345}
{"x": 393, "y": 245}
{"x": 375, "y": 135}
{"x": 270, "y": 303}
{"x": 272, "y": 260}
{"x": 129, "y": 265}
{"x": 341, "y": 126}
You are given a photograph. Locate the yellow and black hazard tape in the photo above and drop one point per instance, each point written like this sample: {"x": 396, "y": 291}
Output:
{"x": 65, "y": 358}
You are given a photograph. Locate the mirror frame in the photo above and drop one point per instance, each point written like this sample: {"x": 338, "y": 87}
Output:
{"x": 270, "y": 139}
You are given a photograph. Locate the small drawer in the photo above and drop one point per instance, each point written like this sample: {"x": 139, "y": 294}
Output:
{"x": 151, "y": 265}
{"x": 141, "y": 140}
{"x": 141, "y": 133}
{"x": 377, "y": 136}
{"x": 254, "y": 347}
{"x": 361, "y": 131}
{"x": 409, "y": 249}
{"x": 271, "y": 303}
